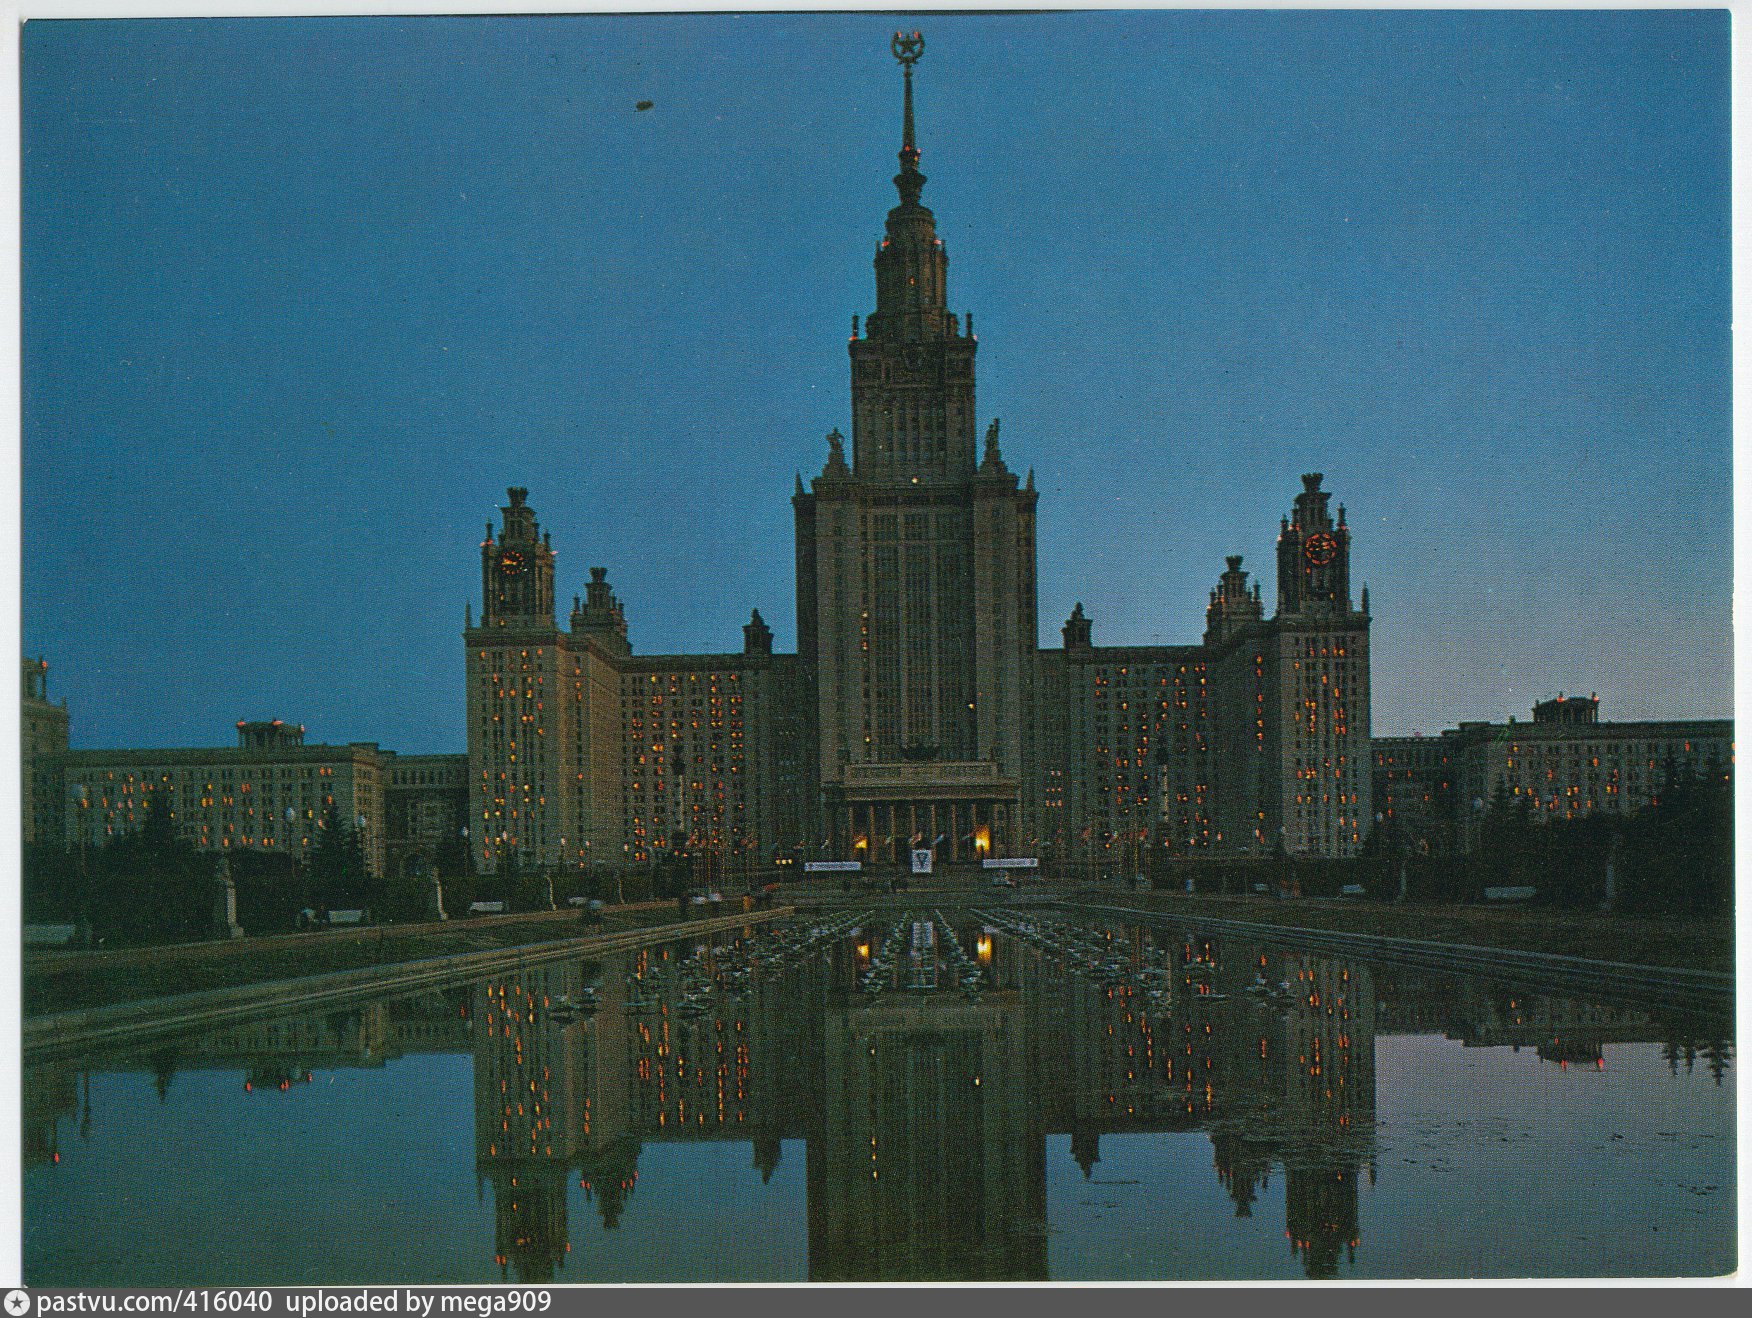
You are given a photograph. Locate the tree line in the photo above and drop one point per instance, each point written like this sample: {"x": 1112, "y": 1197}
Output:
{"x": 152, "y": 885}
{"x": 1673, "y": 857}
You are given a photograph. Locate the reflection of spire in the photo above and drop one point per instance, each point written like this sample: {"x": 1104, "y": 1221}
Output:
{"x": 1086, "y": 1148}
{"x": 1241, "y": 1169}
{"x": 529, "y": 1218}
{"x": 610, "y": 1176}
{"x": 1715, "y": 1052}
{"x": 48, "y": 1094}
{"x": 766, "y": 1156}
{"x": 163, "y": 1070}
{"x": 1320, "y": 1217}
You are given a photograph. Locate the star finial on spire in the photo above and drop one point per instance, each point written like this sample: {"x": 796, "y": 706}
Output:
{"x": 908, "y": 48}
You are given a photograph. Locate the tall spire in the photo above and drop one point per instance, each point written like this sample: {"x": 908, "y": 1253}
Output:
{"x": 912, "y": 370}
{"x": 910, "y": 262}
{"x": 907, "y": 49}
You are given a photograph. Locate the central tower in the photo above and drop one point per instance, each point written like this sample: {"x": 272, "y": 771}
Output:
{"x": 915, "y": 573}
{"x": 912, "y": 369}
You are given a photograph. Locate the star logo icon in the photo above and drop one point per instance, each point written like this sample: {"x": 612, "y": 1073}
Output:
{"x": 17, "y": 1303}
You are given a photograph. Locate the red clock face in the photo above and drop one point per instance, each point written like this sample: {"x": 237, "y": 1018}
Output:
{"x": 510, "y": 562}
{"x": 1320, "y": 548}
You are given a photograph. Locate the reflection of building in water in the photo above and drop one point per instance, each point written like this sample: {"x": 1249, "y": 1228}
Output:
{"x": 48, "y": 1094}
{"x": 1327, "y": 1123}
{"x": 1272, "y": 1053}
{"x": 575, "y": 1064}
{"x": 925, "y": 1114}
{"x": 1562, "y": 1030}
{"x": 288, "y": 1050}
{"x": 531, "y": 1110}
{"x": 1320, "y": 1216}
{"x": 358, "y": 1037}
{"x": 691, "y": 1060}
{"x": 671, "y": 1053}
{"x": 929, "y": 1164}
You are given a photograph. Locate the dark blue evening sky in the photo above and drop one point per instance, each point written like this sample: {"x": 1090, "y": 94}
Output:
{"x": 301, "y": 297}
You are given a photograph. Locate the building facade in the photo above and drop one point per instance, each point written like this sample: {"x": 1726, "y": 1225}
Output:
{"x": 915, "y": 575}
{"x": 269, "y": 793}
{"x": 919, "y": 711}
{"x": 425, "y": 810}
{"x": 584, "y": 757}
{"x": 43, "y": 739}
{"x": 1433, "y": 793}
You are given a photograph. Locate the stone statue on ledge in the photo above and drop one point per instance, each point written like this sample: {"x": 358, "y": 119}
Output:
{"x": 225, "y": 926}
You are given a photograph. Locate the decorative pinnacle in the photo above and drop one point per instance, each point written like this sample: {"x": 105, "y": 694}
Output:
{"x": 908, "y": 48}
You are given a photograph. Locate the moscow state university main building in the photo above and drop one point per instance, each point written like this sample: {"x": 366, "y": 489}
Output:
{"x": 919, "y": 710}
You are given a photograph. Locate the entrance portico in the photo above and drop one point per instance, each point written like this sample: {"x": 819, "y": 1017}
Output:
{"x": 964, "y": 810}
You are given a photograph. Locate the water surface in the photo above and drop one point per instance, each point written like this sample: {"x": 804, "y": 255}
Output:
{"x": 955, "y": 1094}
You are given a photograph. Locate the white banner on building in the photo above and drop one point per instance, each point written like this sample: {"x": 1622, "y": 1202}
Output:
{"x": 921, "y": 860}
{"x": 833, "y": 866}
{"x": 1019, "y": 863}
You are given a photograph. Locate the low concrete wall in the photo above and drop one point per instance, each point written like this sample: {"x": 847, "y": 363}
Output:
{"x": 131, "y": 1025}
{"x": 48, "y": 961}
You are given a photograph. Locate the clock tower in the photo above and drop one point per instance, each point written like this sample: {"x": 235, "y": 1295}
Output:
{"x": 1313, "y": 555}
{"x": 521, "y": 779}
{"x": 1317, "y": 671}
{"x": 517, "y": 570}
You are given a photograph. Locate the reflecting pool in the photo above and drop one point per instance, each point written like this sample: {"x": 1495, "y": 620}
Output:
{"x": 956, "y": 1094}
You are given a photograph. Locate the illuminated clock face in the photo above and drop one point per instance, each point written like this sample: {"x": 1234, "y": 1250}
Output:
{"x": 510, "y": 562}
{"x": 1320, "y": 548}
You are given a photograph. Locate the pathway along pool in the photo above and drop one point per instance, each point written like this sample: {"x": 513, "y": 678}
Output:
{"x": 964, "y": 1096}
